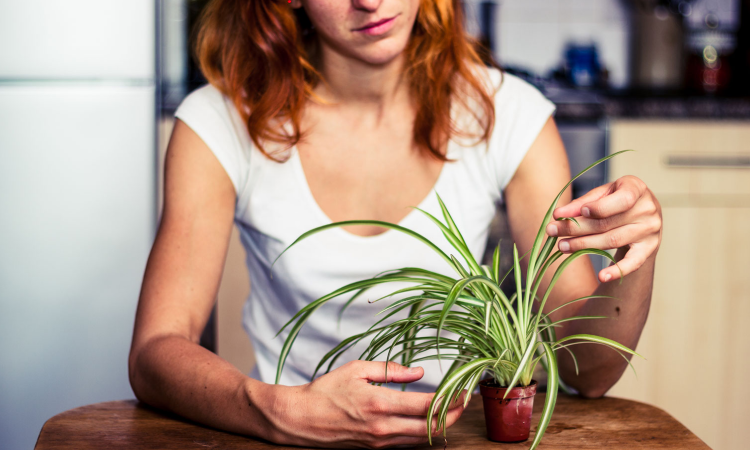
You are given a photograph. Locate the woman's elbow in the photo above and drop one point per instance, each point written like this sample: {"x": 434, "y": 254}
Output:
{"x": 592, "y": 392}
{"x": 596, "y": 386}
{"x": 134, "y": 374}
{"x": 138, "y": 374}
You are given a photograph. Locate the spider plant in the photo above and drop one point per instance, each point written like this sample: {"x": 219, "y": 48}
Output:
{"x": 490, "y": 332}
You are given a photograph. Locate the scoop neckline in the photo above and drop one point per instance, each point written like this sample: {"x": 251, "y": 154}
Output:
{"x": 323, "y": 218}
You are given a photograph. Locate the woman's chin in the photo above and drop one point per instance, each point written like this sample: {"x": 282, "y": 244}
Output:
{"x": 380, "y": 54}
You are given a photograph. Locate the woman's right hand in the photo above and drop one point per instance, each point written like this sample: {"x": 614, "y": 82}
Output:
{"x": 342, "y": 409}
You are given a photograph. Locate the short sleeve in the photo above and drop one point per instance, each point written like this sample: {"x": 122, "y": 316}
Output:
{"x": 521, "y": 112}
{"x": 215, "y": 120}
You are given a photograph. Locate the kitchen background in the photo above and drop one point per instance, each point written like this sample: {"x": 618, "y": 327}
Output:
{"x": 87, "y": 93}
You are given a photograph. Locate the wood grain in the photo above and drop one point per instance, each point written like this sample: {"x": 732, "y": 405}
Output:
{"x": 609, "y": 423}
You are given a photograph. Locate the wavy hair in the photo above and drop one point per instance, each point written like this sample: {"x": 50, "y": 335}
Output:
{"x": 258, "y": 53}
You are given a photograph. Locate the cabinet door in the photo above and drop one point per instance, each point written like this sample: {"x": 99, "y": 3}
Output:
{"x": 696, "y": 340}
{"x": 688, "y": 162}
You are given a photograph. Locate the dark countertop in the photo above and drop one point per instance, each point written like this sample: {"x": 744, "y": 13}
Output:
{"x": 581, "y": 105}
{"x": 678, "y": 108}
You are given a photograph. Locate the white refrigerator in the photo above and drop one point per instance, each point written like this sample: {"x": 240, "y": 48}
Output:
{"x": 77, "y": 201}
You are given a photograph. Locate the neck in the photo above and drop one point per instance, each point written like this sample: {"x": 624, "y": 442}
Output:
{"x": 357, "y": 83}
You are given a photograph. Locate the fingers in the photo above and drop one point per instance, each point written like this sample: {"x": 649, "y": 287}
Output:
{"x": 606, "y": 200}
{"x": 635, "y": 257}
{"x": 620, "y": 238}
{"x": 621, "y": 215}
{"x": 400, "y": 442}
{"x": 573, "y": 209}
{"x": 416, "y": 426}
{"x": 585, "y": 226}
{"x": 375, "y": 372}
{"x": 642, "y": 223}
{"x": 617, "y": 202}
{"x": 408, "y": 403}
{"x": 642, "y": 212}
{"x": 455, "y": 412}
{"x": 376, "y": 416}
{"x": 612, "y": 239}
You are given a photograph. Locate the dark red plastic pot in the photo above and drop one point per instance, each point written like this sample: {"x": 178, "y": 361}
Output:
{"x": 509, "y": 419}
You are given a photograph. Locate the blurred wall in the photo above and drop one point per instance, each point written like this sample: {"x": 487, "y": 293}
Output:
{"x": 532, "y": 34}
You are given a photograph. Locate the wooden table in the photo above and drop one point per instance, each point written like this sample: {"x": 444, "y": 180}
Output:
{"x": 607, "y": 423}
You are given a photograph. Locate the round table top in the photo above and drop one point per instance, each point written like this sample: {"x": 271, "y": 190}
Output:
{"x": 578, "y": 423}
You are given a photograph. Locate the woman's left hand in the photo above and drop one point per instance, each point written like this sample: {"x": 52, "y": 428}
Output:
{"x": 623, "y": 215}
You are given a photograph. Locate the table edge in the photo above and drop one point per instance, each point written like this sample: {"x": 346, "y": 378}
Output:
{"x": 135, "y": 403}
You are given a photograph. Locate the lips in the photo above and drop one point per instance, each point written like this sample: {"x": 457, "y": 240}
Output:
{"x": 374, "y": 24}
{"x": 377, "y": 26}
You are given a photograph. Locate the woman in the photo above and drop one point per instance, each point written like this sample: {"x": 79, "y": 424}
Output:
{"x": 329, "y": 110}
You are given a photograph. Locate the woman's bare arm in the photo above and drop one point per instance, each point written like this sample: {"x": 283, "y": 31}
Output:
{"x": 169, "y": 370}
{"x": 537, "y": 181}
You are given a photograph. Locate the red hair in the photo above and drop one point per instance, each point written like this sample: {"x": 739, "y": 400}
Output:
{"x": 257, "y": 53}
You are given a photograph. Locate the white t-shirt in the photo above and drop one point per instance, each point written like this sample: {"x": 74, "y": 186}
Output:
{"x": 275, "y": 206}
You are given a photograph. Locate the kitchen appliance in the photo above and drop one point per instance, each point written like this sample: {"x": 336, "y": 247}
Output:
{"x": 712, "y": 31}
{"x": 78, "y": 95}
{"x": 709, "y": 52}
{"x": 684, "y": 43}
{"x": 658, "y": 41}
{"x": 582, "y": 65}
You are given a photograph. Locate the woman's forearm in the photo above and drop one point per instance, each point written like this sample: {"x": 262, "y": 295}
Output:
{"x": 173, "y": 373}
{"x": 341, "y": 409}
{"x": 600, "y": 367}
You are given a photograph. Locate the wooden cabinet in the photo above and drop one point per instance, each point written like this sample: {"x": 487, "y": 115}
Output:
{"x": 696, "y": 342}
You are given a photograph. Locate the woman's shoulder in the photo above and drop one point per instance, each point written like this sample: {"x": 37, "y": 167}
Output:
{"x": 213, "y": 110}
{"x": 508, "y": 87}
{"x": 206, "y": 97}
{"x": 512, "y": 96}
{"x": 521, "y": 112}
{"x": 214, "y": 118}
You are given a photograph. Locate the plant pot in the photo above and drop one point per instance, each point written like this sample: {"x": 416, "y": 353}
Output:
{"x": 508, "y": 419}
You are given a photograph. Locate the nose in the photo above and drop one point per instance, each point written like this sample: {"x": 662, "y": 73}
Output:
{"x": 366, "y": 5}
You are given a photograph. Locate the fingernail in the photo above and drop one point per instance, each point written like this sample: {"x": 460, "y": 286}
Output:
{"x": 585, "y": 212}
{"x": 413, "y": 370}
{"x": 564, "y": 246}
{"x": 552, "y": 229}
{"x": 607, "y": 277}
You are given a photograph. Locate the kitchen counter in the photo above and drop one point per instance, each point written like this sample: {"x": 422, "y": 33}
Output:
{"x": 582, "y": 105}
{"x": 692, "y": 107}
